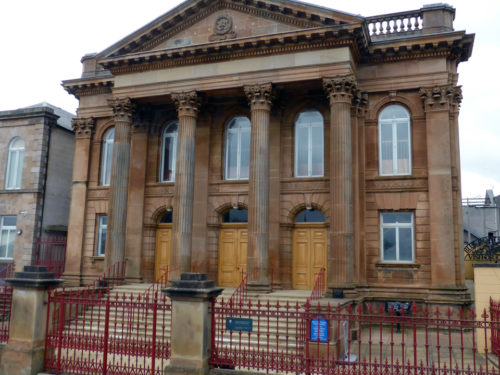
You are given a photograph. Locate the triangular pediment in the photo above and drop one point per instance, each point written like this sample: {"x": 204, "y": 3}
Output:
{"x": 196, "y": 22}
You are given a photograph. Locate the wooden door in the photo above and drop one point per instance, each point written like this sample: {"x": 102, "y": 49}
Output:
{"x": 309, "y": 255}
{"x": 232, "y": 255}
{"x": 163, "y": 246}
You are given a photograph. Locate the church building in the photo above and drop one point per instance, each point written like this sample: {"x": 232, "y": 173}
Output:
{"x": 274, "y": 138}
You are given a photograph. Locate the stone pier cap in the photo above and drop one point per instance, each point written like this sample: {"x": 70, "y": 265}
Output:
{"x": 34, "y": 277}
{"x": 193, "y": 285}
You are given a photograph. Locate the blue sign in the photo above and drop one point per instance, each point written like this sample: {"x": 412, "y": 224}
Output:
{"x": 239, "y": 324}
{"x": 319, "y": 329}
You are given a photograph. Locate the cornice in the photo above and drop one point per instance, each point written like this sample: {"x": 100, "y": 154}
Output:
{"x": 87, "y": 87}
{"x": 309, "y": 39}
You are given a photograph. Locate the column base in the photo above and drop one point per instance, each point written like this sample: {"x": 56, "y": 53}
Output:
{"x": 259, "y": 286}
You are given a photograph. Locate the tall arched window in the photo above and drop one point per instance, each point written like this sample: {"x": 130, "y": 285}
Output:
{"x": 107, "y": 156}
{"x": 169, "y": 152}
{"x": 238, "y": 148}
{"x": 394, "y": 141}
{"x": 14, "y": 164}
{"x": 309, "y": 144}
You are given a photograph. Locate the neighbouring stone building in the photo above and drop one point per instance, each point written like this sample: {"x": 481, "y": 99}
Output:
{"x": 275, "y": 138}
{"x": 36, "y": 161}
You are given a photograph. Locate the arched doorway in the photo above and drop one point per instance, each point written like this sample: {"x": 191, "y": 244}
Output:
{"x": 233, "y": 239}
{"x": 309, "y": 248}
{"x": 163, "y": 243}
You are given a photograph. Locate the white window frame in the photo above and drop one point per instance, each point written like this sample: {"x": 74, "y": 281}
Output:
{"x": 397, "y": 226}
{"x": 9, "y": 231}
{"x": 167, "y": 134}
{"x": 395, "y": 157}
{"x": 15, "y": 161}
{"x": 102, "y": 229}
{"x": 107, "y": 147}
{"x": 239, "y": 132}
{"x": 310, "y": 146}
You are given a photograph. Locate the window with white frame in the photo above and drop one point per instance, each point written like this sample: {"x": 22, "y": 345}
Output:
{"x": 237, "y": 149}
{"x": 397, "y": 236}
{"x": 7, "y": 236}
{"x": 107, "y": 157}
{"x": 309, "y": 144}
{"x": 394, "y": 141}
{"x": 102, "y": 226}
{"x": 169, "y": 152}
{"x": 15, "y": 160}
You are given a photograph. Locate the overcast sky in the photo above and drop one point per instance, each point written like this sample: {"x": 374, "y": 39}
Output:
{"x": 42, "y": 42}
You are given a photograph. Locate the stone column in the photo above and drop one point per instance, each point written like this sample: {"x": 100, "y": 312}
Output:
{"x": 135, "y": 201}
{"x": 83, "y": 128}
{"x": 437, "y": 101}
{"x": 191, "y": 323}
{"x": 24, "y": 352}
{"x": 187, "y": 104}
{"x": 260, "y": 98}
{"x": 123, "y": 110}
{"x": 340, "y": 270}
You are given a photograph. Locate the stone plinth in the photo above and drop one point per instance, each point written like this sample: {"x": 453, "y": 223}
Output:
{"x": 191, "y": 323}
{"x": 25, "y": 349}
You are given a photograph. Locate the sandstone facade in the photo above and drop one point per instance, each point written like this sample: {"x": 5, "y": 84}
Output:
{"x": 206, "y": 63}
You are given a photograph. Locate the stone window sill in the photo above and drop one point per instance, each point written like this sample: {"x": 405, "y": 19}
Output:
{"x": 397, "y": 265}
{"x": 97, "y": 259}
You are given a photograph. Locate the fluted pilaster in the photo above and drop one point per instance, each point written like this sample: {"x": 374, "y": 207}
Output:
{"x": 84, "y": 129}
{"x": 187, "y": 104}
{"x": 340, "y": 91}
{"x": 123, "y": 111}
{"x": 260, "y": 100}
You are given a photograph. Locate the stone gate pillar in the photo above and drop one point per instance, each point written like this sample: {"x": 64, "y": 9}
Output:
{"x": 260, "y": 100}
{"x": 187, "y": 104}
{"x": 340, "y": 270}
{"x": 84, "y": 128}
{"x": 123, "y": 110}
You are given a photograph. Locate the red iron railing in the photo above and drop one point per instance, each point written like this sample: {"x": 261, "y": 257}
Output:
{"x": 51, "y": 253}
{"x": 91, "y": 332}
{"x": 240, "y": 294}
{"x": 7, "y": 270}
{"x": 113, "y": 276}
{"x": 5, "y": 308}
{"x": 160, "y": 283}
{"x": 319, "y": 288}
{"x": 495, "y": 330}
{"x": 337, "y": 341}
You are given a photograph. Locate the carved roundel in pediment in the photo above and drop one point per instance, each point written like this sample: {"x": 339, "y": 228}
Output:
{"x": 223, "y": 28}
{"x": 223, "y": 24}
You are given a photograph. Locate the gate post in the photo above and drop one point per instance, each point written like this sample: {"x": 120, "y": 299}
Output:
{"x": 25, "y": 349}
{"x": 191, "y": 323}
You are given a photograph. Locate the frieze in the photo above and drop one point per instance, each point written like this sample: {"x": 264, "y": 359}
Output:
{"x": 405, "y": 184}
{"x": 83, "y": 127}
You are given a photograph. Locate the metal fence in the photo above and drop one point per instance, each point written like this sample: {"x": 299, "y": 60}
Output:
{"x": 5, "y": 308}
{"x": 51, "y": 253}
{"x": 93, "y": 332}
{"x": 495, "y": 330}
{"x": 321, "y": 339}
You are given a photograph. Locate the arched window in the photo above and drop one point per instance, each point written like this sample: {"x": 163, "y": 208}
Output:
{"x": 107, "y": 156}
{"x": 309, "y": 144}
{"x": 169, "y": 152}
{"x": 14, "y": 164}
{"x": 235, "y": 215}
{"x": 167, "y": 218}
{"x": 310, "y": 216}
{"x": 238, "y": 148}
{"x": 394, "y": 141}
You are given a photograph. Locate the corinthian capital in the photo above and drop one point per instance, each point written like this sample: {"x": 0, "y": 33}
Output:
{"x": 187, "y": 103}
{"x": 340, "y": 88}
{"x": 123, "y": 109}
{"x": 83, "y": 127}
{"x": 260, "y": 96}
{"x": 360, "y": 103}
{"x": 441, "y": 97}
